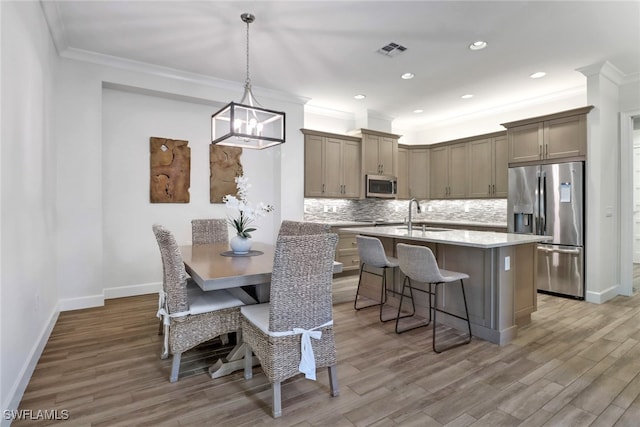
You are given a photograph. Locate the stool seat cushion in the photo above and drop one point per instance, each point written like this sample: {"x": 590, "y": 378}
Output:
{"x": 452, "y": 276}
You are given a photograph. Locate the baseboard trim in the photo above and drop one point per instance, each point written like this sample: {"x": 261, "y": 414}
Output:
{"x": 17, "y": 391}
{"x": 603, "y": 296}
{"x": 133, "y": 290}
{"x": 67, "y": 304}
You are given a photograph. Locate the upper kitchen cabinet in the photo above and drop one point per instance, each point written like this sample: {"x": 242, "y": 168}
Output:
{"x": 331, "y": 165}
{"x": 488, "y": 166}
{"x": 403, "y": 173}
{"x": 419, "y": 173}
{"x": 379, "y": 152}
{"x": 448, "y": 171}
{"x": 413, "y": 172}
{"x": 560, "y": 136}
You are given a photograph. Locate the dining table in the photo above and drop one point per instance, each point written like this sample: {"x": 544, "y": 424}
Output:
{"x": 247, "y": 276}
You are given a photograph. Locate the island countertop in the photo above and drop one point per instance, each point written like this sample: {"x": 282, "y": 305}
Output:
{"x": 476, "y": 239}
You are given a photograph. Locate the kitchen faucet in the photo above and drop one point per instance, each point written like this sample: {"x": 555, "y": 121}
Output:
{"x": 418, "y": 210}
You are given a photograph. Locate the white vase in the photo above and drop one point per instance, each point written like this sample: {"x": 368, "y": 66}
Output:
{"x": 240, "y": 245}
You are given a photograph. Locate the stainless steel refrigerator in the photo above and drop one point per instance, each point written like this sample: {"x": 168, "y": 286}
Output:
{"x": 549, "y": 200}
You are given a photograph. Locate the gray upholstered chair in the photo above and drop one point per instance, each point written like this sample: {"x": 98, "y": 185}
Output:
{"x": 298, "y": 228}
{"x": 190, "y": 316}
{"x": 372, "y": 255}
{"x": 299, "y": 313}
{"x": 419, "y": 264}
{"x": 205, "y": 231}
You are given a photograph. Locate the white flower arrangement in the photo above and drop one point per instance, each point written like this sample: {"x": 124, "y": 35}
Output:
{"x": 247, "y": 213}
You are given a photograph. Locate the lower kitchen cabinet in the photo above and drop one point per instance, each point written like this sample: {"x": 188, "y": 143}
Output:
{"x": 347, "y": 250}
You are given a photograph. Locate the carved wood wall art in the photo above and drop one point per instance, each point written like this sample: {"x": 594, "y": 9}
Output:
{"x": 170, "y": 170}
{"x": 225, "y": 166}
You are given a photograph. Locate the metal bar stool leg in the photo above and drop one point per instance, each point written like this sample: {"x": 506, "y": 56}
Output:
{"x": 413, "y": 306}
{"x": 436, "y": 309}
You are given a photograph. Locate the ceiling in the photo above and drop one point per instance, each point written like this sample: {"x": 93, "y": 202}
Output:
{"x": 326, "y": 51}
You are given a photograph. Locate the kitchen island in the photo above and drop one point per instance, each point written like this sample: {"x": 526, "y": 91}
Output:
{"x": 501, "y": 289}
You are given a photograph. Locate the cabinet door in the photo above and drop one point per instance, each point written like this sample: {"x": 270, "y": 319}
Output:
{"x": 565, "y": 137}
{"x": 525, "y": 143}
{"x": 403, "y": 173}
{"x": 370, "y": 146}
{"x": 386, "y": 150}
{"x": 313, "y": 166}
{"x": 480, "y": 168}
{"x": 332, "y": 162}
{"x": 350, "y": 169}
{"x": 418, "y": 173}
{"x": 458, "y": 171}
{"x": 501, "y": 167}
{"x": 438, "y": 170}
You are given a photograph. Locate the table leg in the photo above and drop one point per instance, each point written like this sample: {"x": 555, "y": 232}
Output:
{"x": 233, "y": 362}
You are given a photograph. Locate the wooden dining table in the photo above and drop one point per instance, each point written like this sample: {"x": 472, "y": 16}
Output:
{"x": 213, "y": 267}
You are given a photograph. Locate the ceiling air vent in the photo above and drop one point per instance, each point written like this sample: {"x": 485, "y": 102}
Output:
{"x": 392, "y": 49}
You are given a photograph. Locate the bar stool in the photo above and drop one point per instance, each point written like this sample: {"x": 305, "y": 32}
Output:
{"x": 372, "y": 254}
{"x": 419, "y": 264}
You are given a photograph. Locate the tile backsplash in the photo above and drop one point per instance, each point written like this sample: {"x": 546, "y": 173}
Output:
{"x": 465, "y": 210}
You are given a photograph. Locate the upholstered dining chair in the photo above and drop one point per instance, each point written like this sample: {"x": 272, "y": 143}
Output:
{"x": 212, "y": 230}
{"x": 299, "y": 228}
{"x": 293, "y": 333}
{"x": 190, "y": 316}
{"x": 419, "y": 265}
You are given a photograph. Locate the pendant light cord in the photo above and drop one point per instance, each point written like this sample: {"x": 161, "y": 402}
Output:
{"x": 247, "y": 82}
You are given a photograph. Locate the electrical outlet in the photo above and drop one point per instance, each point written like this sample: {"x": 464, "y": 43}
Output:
{"x": 335, "y": 209}
{"x": 326, "y": 208}
{"x": 466, "y": 208}
{"x": 507, "y": 263}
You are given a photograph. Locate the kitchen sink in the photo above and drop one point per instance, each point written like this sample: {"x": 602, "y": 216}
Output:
{"x": 419, "y": 228}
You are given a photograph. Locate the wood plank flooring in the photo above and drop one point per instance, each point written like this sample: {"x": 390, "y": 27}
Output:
{"x": 576, "y": 364}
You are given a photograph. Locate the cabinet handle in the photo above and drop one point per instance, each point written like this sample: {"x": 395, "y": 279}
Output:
{"x": 489, "y": 188}
{"x": 546, "y": 150}
{"x": 539, "y": 151}
{"x": 494, "y": 189}
{"x": 323, "y": 188}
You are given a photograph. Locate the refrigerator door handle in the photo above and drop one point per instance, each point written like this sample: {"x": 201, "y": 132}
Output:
{"x": 536, "y": 208}
{"x": 551, "y": 249}
{"x": 543, "y": 204}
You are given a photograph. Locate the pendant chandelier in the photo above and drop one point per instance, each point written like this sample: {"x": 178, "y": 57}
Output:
{"x": 247, "y": 124}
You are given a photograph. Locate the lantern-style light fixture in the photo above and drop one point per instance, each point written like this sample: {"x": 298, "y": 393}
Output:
{"x": 247, "y": 124}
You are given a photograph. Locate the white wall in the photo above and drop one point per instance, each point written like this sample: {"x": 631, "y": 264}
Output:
{"x": 130, "y": 252}
{"x": 490, "y": 120}
{"x": 93, "y": 195}
{"x": 602, "y": 186}
{"x": 27, "y": 282}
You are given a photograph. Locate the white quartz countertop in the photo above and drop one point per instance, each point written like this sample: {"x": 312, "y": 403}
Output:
{"x": 477, "y": 239}
{"x": 444, "y": 223}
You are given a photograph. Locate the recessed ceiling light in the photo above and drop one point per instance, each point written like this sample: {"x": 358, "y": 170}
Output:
{"x": 477, "y": 45}
{"x": 538, "y": 74}
{"x": 467, "y": 96}
{"x": 418, "y": 111}
{"x": 360, "y": 96}
{"x": 408, "y": 76}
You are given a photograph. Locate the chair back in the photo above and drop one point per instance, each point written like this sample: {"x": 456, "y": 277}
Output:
{"x": 371, "y": 251}
{"x": 418, "y": 263}
{"x": 301, "y": 282}
{"x": 205, "y": 231}
{"x": 175, "y": 276}
{"x": 298, "y": 228}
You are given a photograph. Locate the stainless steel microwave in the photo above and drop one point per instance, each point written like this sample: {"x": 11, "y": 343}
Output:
{"x": 381, "y": 186}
